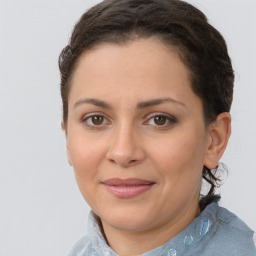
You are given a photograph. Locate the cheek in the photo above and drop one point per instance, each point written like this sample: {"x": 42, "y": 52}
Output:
{"x": 180, "y": 157}
{"x": 85, "y": 154}
{"x": 180, "y": 170}
{"x": 174, "y": 151}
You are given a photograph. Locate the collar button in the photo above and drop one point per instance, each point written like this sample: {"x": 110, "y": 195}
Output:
{"x": 188, "y": 240}
{"x": 205, "y": 227}
{"x": 172, "y": 252}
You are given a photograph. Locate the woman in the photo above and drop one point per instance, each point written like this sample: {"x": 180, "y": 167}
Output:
{"x": 147, "y": 87}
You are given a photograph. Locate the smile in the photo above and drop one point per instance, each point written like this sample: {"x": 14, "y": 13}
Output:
{"x": 127, "y": 188}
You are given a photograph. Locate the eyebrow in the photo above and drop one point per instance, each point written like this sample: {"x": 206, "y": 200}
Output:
{"x": 154, "y": 102}
{"x": 140, "y": 105}
{"x": 98, "y": 103}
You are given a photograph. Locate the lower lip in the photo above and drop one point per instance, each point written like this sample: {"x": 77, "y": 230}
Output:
{"x": 128, "y": 191}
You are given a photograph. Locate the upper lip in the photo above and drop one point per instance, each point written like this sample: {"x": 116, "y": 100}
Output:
{"x": 126, "y": 182}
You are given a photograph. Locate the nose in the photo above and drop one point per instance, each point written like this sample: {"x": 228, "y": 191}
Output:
{"x": 125, "y": 148}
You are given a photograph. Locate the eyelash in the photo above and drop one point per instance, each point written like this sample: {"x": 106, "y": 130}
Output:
{"x": 92, "y": 126}
{"x": 169, "y": 119}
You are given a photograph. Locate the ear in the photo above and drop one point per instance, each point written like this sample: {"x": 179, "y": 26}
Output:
{"x": 219, "y": 133}
{"x": 64, "y": 128}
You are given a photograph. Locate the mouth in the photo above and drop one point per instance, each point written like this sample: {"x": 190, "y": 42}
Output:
{"x": 127, "y": 188}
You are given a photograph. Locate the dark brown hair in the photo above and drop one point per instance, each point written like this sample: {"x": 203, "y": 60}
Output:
{"x": 176, "y": 23}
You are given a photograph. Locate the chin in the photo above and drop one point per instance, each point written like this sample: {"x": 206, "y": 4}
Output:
{"x": 128, "y": 219}
{"x": 129, "y": 224}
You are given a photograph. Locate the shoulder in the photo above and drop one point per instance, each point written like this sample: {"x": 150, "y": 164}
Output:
{"x": 80, "y": 247}
{"x": 230, "y": 221}
{"x": 232, "y": 236}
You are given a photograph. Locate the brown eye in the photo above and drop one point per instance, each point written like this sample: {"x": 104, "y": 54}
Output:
{"x": 97, "y": 120}
{"x": 159, "y": 120}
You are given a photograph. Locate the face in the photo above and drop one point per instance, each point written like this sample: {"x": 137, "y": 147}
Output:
{"x": 136, "y": 136}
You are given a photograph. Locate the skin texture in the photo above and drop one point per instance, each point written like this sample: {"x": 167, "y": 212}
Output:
{"x": 129, "y": 141}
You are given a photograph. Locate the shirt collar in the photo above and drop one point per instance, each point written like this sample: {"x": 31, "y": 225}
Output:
{"x": 188, "y": 239}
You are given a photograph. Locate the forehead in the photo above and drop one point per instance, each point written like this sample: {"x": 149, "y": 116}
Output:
{"x": 137, "y": 70}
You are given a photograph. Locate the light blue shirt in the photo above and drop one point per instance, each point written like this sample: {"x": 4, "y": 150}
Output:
{"x": 216, "y": 232}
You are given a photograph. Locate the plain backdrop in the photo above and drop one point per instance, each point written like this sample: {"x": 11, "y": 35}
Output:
{"x": 41, "y": 210}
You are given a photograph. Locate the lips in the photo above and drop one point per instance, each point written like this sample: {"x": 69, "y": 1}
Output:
{"x": 127, "y": 188}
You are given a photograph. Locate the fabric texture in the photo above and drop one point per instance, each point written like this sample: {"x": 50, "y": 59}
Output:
{"x": 216, "y": 231}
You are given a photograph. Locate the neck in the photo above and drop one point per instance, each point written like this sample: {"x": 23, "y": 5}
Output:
{"x": 130, "y": 243}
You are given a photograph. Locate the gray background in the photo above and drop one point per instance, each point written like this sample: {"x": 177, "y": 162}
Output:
{"x": 41, "y": 210}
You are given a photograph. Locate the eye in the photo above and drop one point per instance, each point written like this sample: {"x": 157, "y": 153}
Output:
{"x": 161, "y": 120}
{"x": 95, "y": 120}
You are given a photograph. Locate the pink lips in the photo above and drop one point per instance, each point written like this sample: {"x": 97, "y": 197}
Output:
{"x": 127, "y": 188}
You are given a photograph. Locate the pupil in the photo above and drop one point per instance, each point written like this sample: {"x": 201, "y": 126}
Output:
{"x": 160, "y": 120}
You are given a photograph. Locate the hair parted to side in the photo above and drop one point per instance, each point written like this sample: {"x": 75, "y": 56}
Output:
{"x": 175, "y": 23}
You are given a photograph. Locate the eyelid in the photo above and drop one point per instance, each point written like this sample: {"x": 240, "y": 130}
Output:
{"x": 87, "y": 116}
{"x": 169, "y": 117}
{"x": 154, "y": 114}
